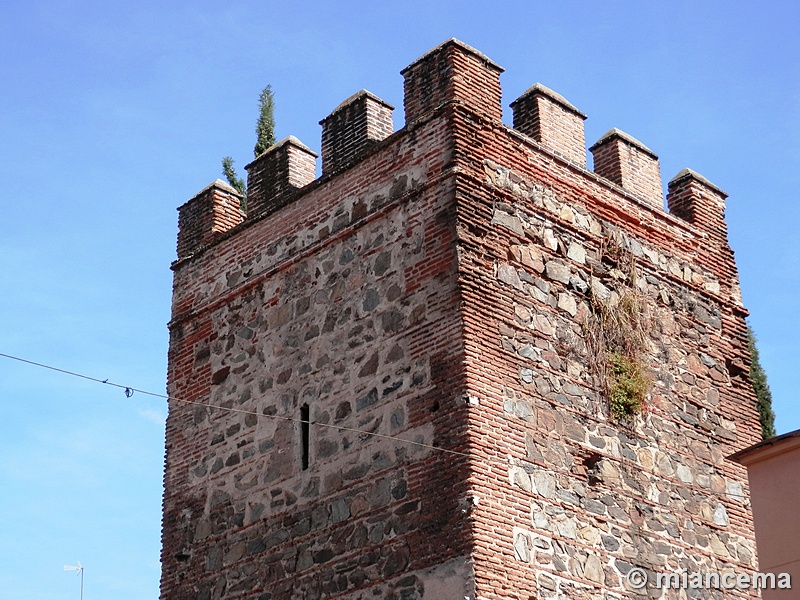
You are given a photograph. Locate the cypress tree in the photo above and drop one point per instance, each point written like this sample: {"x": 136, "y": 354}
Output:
{"x": 235, "y": 181}
{"x": 763, "y": 395}
{"x": 265, "y": 126}
{"x": 265, "y": 137}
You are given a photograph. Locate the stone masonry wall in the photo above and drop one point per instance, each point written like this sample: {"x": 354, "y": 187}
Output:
{"x": 570, "y": 499}
{"x": 343, "y": 301}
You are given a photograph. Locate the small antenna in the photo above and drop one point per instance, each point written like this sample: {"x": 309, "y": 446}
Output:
{"x": 79, "y": 570}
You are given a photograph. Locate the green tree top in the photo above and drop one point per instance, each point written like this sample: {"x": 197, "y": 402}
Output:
{"x": 763, "y": 395}
{"x": 265, "y": 126}
{"x": 234, "y": 180}
{"x": 265, "y": 137}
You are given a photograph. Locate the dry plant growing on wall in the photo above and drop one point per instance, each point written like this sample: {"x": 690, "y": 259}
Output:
{"x": 617, "y": 332}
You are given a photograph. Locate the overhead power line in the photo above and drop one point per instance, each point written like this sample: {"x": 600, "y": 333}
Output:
{"x": 129, "y": 391}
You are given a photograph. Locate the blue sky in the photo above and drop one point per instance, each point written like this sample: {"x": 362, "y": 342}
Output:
{"x": 113, "y": 114}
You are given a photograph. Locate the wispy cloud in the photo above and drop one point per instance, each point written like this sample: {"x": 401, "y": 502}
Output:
{"x": 153, "y": 415}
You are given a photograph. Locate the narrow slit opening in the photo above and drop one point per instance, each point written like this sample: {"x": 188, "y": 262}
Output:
{"x": 305, "y": 425}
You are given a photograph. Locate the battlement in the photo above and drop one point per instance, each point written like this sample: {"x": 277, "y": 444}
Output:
{"x": 547, "y": 117}
{"x": 353, "y": 129}
{"x": 456, "y": 74}
{"x": 211, "y": 212}
{"x": 453, "y": 72}
{"x": 274, "y": 178}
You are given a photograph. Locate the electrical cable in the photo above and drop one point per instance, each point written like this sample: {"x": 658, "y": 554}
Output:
{"x": 129, "y": 391}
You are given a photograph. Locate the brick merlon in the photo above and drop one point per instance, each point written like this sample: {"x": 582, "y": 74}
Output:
{"x": 537, "y": 89}
{"x": 357, "y": 96}
{"x": 689, "y": 174}
{"x": 629, "y": 139}
{"x": 465, "y": 47}
{"x": 217, "y": 183}
{"x": 287, "y": 140}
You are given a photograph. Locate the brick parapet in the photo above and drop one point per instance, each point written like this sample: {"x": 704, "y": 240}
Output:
{"x": 275, "y": 177}
{"x": 322, "y": 214}
{"x": 552, "y": 121}
{"x": 353, "y": 129}
{"x": 209, "y": 214}
{"x": 715, "y": 271}
{"x": 452, "y": 72}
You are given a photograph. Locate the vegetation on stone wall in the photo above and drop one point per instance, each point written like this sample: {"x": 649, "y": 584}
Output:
{"x": 265, "y": 137}
{"x": 628, "y": 385}
{"x": 617, "y": 331}
{"x": 763, "y": 394}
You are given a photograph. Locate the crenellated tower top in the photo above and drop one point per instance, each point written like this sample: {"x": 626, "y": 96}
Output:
{"x": 451, "y": 73}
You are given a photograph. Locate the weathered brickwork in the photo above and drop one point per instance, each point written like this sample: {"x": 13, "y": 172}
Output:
{"x": 427, "y": 305}
{"x": 353, "y": 129}
{"x": 549, "y": 119}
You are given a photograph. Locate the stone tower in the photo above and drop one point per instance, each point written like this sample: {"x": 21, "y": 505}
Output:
{"x": 459, "y": 364}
